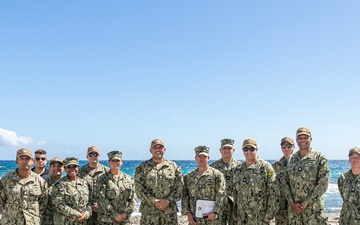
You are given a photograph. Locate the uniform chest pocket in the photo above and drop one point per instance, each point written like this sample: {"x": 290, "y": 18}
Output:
{"x": 169, "y": 174}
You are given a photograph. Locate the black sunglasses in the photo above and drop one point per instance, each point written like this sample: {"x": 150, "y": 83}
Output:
{"x": 38, "y": 158}
{"x": 93, "y": 154}
{"x": 249, "y": 149}
{"x": 286, "y": 146}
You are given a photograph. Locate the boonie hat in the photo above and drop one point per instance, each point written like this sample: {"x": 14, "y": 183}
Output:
{"x": 288, "y": 139}
{"x": 56, "y": 159}
{"x": 303, "y": 130}
{"x": 114, "y": 155}
{"x": 227, "y": 142}
{"x": 93, "y": 149}
{"x": 250, "y": 141}
{"x": 23, "y": 151}
{"x": 157, "y": 141}
{"x": 71, "y": 161}
{"x": 202, "y": 150}
{"x": 354, "y": 150}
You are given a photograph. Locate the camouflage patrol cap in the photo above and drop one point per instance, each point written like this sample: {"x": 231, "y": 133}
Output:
{"x": 23, "y": 151}
{"x": 71, "y": 161}
{"x": 56, "y": 159}
{"x": 354, "y": 150}
{"x": 249, "y": 141}
{"x": 157, "y": 141}
{"x": 288, "y": 139}
{"x": 202, "y": 150}
{"x": 114, "y": 155}
{"x": 303, "y": 130}
{"x": 227, "y": 142}
{"x": 93, "y": 149}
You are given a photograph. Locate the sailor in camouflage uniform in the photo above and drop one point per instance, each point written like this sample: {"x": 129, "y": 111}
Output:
{"x": 254, "y": 188}
{"x": 307, "y": 179}
{"x": 115, "y": 194}
{"x": 91, "y": 173}
{"x": 287, "y": 147}
{"x": 70, "y": 196}
{"x": 205, "y": 183}
{"x": 349, "y": 188}
{"x": 23, "y": 193}
{"x": 158, "y": 185}
{"x": 56, "y": 169}
{"x": 226, "y": 165}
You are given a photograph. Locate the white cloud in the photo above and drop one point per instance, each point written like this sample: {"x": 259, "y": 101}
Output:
{"x": 10, "y": 138}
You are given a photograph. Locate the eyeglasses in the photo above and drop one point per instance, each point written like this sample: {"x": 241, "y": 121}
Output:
{"x": 93, "y": 155}
{"x": 287, "y": 146}
{"x": 249, "y": 149}
{"x": 38, "y": 158}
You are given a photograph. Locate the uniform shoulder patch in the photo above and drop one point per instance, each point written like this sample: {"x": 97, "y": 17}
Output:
{"x": 270, "y": 173}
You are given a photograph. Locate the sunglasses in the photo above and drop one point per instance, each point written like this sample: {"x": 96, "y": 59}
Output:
{"x": 249, "y": 149}
{"x": 287, "y": 146}
{"x": 38, "y": 158}
{"x": 93, "y": 155}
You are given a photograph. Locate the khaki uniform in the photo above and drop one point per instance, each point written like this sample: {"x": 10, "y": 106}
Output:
{"x": 92, "y": 177}
{"x": 254, "y": 192}
{"x": 281, "y": 215}
{"x": 210, "y": 185}
{"x": 227, "y": 169}
{"x": 158, "y": 181}
{"x": 70, "y": 200}
{"x": 349, "y": 188}
{"x": 307, "y": 180}
{"x": 49, "y": 212}
{"x": 23, "y": 201}
{"x": 114, "y": 196}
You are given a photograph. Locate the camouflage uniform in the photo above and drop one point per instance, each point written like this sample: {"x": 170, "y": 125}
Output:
{"x": 307, "y": 179}
{"x": 70, "y": 200}
{"x": 227, "y": 169}
{"x": 49, "y": 212}
{"x": 91, "y": 176}
{"x": 158, "y": 181}
{"x": 254, "y": 192}
{"x": 23, "y": 203}
{"x": 210, "y": 185}
{"x": 281, "y": 215}
{"x": 115, "y": 196}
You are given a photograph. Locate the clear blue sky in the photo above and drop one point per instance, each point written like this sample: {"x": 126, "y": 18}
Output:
{"x": 117, "y": 74}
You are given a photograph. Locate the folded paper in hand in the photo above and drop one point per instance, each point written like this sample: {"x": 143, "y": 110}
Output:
{"x": 202, "y": 207}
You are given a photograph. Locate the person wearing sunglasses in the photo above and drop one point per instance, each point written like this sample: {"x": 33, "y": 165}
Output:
{"x": 254, "y": 189}
{"x": 287, "y": 148}
{"x": 40, "y": 163}
{"x": 226, "y": 165}
{"x": 91, "y": 173}
{"x": 307, "y": 179}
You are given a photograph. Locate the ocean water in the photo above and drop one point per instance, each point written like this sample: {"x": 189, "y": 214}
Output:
{"x": 332, "y": 197}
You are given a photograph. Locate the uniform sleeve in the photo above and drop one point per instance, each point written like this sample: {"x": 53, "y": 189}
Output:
{"x": 2, "y": 196}
{"x": 340, "y": 185}
{"x": 44, "y": 197}
{"x": 57, "y": 197}
{"x": 185, "y": 200}
{"x": 322, "y": 180}
{"x": 220, "y": 196}
{"x": 272, "y": 192}
{"x": 100, "y": 198}
{"x": 286, "y": 188}
{"x": 176, "y": 193}
{"x": 142, "y": 192}
{"x": 131, "y": 200}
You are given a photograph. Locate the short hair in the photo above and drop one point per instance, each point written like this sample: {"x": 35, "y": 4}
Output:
{"x": 40, "y": 151}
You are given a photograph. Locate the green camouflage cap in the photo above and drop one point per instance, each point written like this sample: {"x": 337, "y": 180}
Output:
{"x": 114, "y": 155}
{"x": 23, "y": 151}
{"x": 56, "y": 159}
{"x": 202, "y": 150}
{"x": 249, "y": 141}
{"x": 227, "y": 142}
{"x": 93, "y": 149}
{"x": 303, "y": 130}
{"x": 354, "y": 150}
{"x": 71, "y": 161}
{"x": 157, "y": 141}
{"x": 288, "y": 139}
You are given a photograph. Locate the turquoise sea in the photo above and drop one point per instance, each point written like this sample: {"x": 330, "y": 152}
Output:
{"x": 332, "y": 197}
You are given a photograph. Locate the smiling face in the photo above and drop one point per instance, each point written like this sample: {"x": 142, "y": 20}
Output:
{"x": 250, "y": 154}
{"x": 303, "y": 141}
{"x": 71, "y": 171}
{"x": 287, "y": 148}
{"x": 354, "y": 160}
{"x": 227, "y": 152}
{"x": 157, "y": 151}
{"x": 56, "y": 169}
{"x": 93, "y": 157}
{"x": 115, "y": 164}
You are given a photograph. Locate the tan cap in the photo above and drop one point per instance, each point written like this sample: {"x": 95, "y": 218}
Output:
{"x": 115, "y": 155}
{"x": 354, "y": 150}
{"x": 56, "y": 159}
{"x": 249, "y": 141}
{"x": 303, "y": 130}
{"x": 202, "y": 150}
{"x": 157, "y": 141}
{"x": 93, "y": 149}
{"x": 227, "y": 142}
{"x": 23, "y": 151}
{"x": 288, "y": 139}
{"x": 71, "y": 161}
